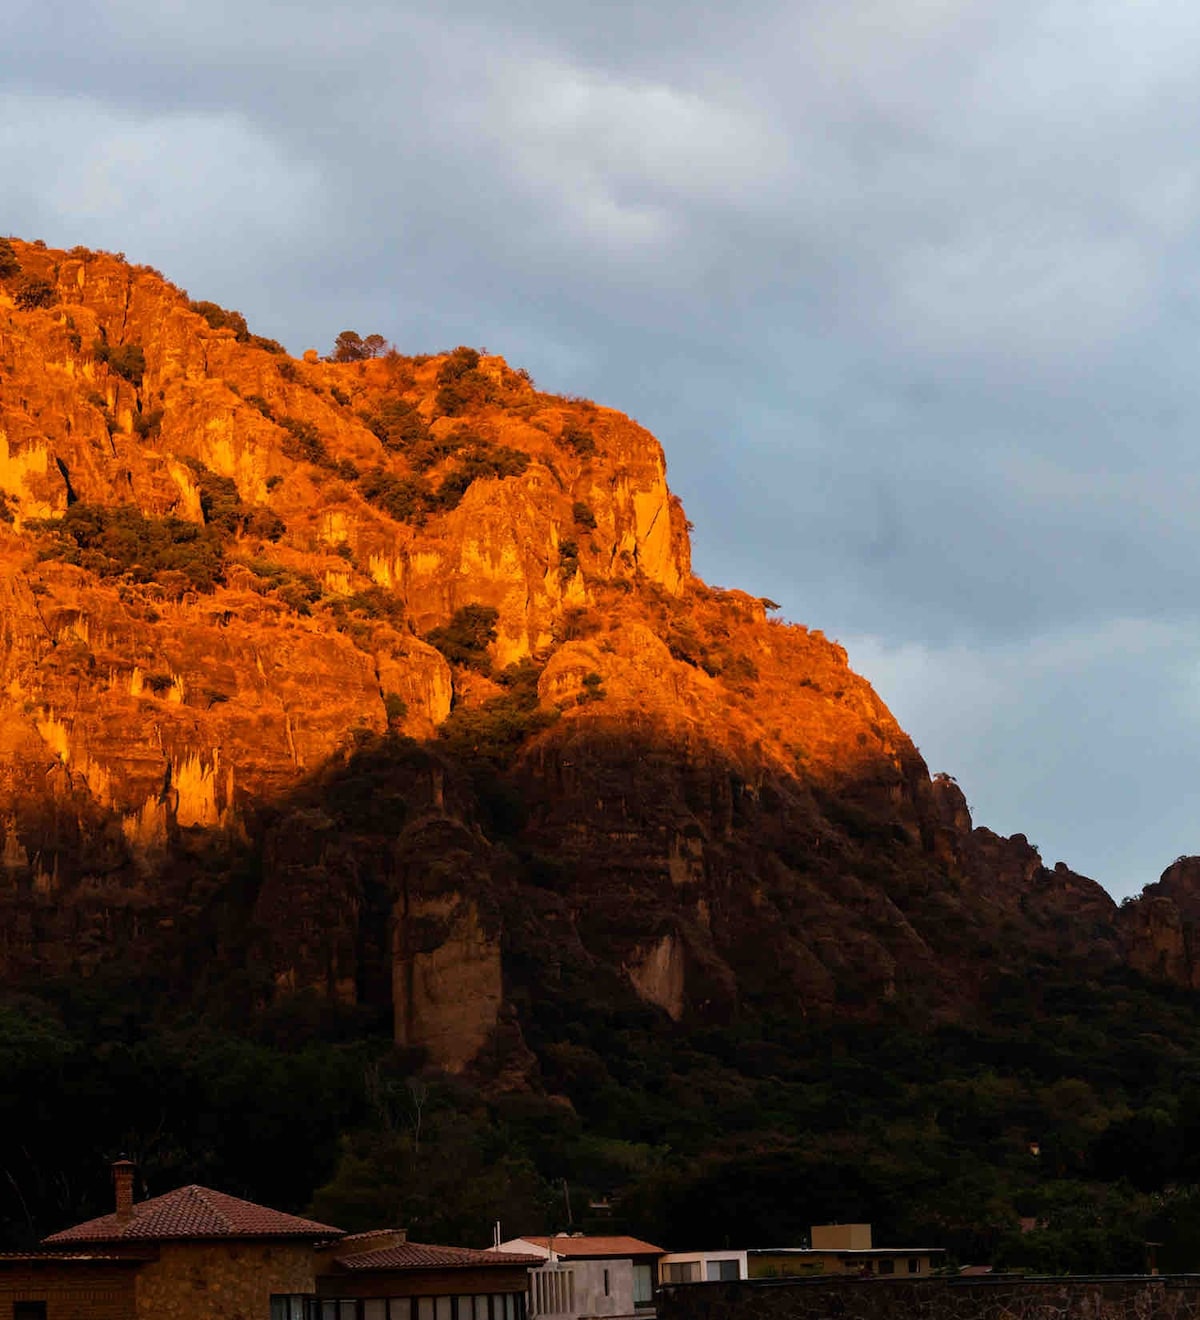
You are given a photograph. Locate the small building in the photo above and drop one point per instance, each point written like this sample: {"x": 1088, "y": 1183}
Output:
{"x": 703, "y": 1267}
{"x": 589, "y": 1276}
{"x": 204, "y": 1254}
{"x": 199, "y": 1254}
{"x": 842, "y": 1249}
{"x": 383, "y": 1276}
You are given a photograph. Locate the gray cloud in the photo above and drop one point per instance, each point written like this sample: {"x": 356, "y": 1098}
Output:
{"x": 908, "y": 292}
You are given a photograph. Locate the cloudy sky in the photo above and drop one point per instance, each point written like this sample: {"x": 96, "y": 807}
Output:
{"x": 909, "y": 289}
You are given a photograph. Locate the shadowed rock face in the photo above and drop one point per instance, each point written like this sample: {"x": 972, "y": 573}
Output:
{"x": 676, "y": 800}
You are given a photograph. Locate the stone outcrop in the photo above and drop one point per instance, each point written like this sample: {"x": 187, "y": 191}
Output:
{"x": 700, "y": 808}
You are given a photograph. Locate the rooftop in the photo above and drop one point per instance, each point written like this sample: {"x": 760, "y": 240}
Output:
{"x": 421, "y": 1256}
{"x": 844, "y": 1251}
{"x": 193, "y": 1212}
{"x": 580, "y": 1246}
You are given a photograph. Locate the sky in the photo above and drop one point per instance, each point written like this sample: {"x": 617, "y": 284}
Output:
{"x": 909, "y": 290}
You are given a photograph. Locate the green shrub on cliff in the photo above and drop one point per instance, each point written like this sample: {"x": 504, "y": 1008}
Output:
{"x": 579, "y": 440}
{"x": 371, "y": 603}
{"x": 127, "y": 360}
{"x": 33, "y": 293}
{"x": 123, "y": 542}
{"x": 466, "y": 638}
{"x": 9, "y": 264}
{"x": 303, "y": 441}
{"x": 490, "y": 734}
{"x": 224, "y": 511}
{"x": 222, "y": 318}
{"x": 481, "y": 460}
{"x": 462, "y": 387}
{"x": 147, "y": 425}
{"x": 404, "y": 498}
{"x": 410, "y": 498}
{"x": 299, "y": 591}
{"x": 397, "y": 423}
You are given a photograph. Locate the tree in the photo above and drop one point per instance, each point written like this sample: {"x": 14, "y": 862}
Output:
{"x": 349, "y": 347}
{"x": 9, "y": 265}
{"x": 450, "y": 1187}
{"x": 465, "y": 639}
{"x": 32, "y": 293}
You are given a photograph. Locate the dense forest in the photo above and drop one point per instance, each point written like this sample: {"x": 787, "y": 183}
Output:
{"x": 1075, "y": 1106}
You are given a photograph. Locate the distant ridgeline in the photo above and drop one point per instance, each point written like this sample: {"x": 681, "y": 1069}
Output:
{"x": 378, "y": 783}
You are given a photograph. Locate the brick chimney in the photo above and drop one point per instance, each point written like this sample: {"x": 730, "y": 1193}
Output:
{"x": 122, "y": 1172}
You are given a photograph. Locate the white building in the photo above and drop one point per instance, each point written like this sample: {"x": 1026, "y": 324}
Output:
{"x": 589, "y": 1277}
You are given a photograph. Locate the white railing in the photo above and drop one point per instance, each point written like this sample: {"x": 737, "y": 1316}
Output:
{"x": 551, "y": 1291}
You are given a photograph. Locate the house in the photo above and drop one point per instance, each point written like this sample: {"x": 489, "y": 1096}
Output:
{"x": 67, "y": 1285}
{"x": 842, "y": 1249}
{"x": 383, "y": 1276}
{"x": 589, "y": 1276}
{"x": 703, "y": 1267}
{"x": 202, "y": 1253}
{"x": 199, "y": 1254}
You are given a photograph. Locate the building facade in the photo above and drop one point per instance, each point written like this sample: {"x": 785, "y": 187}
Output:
{"x": 200, "y": 1254}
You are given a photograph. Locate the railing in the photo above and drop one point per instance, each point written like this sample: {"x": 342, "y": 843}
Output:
{"x": 551, "y": 1291}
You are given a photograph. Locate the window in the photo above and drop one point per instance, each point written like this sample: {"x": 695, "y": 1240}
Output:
{"x": 887, "y": 1267}
{"x": 721, "y": 1271}
{"x": 289, "y": 1306}
{"x": 643, "y": 1285}
{"x": 914, "y": 1265}
{"x": 606, "y": 1292}
{"x": 29, "y": 1311}
{"x": 685, "y": 1271}
{"x": 375, "y": 1308}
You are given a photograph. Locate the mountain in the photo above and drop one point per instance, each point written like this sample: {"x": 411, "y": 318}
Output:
{"x": 382, "y": 688}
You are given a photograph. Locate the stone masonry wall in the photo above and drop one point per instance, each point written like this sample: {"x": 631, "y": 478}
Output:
{"x": 222, "y": 1280}
{"x": 1168, "y": 1298}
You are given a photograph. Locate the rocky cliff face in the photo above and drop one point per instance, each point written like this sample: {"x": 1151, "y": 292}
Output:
{"x": 245, "y": 724}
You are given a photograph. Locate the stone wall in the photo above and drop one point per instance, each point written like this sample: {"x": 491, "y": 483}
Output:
{"x": 222, "y": 1280}
{"x": 70, "y": 1289}
{"x": 1166, "y": 1298}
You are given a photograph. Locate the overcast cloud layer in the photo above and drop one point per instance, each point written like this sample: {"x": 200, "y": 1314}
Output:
{"x": 908, "y": 289}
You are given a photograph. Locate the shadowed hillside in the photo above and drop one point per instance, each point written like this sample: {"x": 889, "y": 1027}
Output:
{"x": 365, "y": 716}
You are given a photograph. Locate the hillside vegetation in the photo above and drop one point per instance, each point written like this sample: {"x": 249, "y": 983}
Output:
{"x": 394, "y": 826}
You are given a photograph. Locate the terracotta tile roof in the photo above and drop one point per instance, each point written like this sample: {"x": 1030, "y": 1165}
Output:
{"x": 194, "y": 1212}
{"x": 582, "y": 1247}
{"x": 71, "y": 1258}
{"x": 422, "y": 1256}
